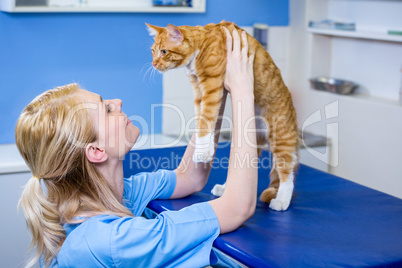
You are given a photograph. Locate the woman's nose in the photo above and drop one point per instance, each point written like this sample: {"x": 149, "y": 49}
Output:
{"x": 120, "y": 103}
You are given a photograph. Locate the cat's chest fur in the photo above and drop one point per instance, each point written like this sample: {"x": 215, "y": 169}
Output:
{"x": 190, "y": 66}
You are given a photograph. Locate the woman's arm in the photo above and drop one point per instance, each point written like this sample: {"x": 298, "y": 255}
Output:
{"x": 192, "y": 177}
{"x": 238, "y": 202}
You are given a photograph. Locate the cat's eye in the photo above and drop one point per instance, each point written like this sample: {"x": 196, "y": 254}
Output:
{"x": 153, "y": 51}
{"x": 164, "y": 51}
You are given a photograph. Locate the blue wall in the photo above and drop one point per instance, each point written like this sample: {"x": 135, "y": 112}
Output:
{"x": 107, "y": 53}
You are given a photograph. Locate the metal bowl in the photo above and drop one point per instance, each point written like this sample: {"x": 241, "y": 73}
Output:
{"x": 333, "y": 85}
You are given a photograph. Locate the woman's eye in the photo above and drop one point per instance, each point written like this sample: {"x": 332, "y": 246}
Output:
{"x": 164, "y": 51}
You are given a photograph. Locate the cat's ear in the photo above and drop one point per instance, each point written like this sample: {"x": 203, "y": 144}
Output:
{"x": 154, "y": 30}
{"x": 174, "y": 33}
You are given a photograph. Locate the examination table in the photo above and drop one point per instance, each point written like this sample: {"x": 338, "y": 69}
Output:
{"x": 331, "y": 222}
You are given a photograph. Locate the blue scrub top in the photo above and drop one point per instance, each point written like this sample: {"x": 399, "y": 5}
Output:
{"x": 173, "y": 239}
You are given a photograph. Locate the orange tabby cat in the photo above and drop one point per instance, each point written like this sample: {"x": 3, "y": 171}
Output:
{"x": 202, "y": 50}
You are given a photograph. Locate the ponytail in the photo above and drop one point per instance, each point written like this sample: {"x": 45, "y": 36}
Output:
{"x": 43, "y": 221}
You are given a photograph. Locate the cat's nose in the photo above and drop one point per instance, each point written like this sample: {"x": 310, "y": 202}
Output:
{"x": 153, "y": 64}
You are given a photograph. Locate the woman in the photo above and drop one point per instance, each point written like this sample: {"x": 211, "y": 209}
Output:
{"x": 74, "y": 142}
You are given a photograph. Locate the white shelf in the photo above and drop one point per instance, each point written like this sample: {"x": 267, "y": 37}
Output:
{"x": 361, "y": 98}
{"x": 357, "y": 34}
{"x": 9, "y": 6}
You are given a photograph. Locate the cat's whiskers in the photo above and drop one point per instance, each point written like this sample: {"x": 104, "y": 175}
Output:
{"x": 148, "y": 66}
{"x": 150, "y": 72}
{"x": 154, "y": 71}
{"x": 145, "y": 70}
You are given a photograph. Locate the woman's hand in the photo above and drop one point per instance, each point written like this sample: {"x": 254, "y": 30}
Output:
{"x": 239, "y": 79}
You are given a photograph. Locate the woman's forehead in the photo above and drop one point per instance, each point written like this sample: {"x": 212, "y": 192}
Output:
{"x": 88, "y": 96}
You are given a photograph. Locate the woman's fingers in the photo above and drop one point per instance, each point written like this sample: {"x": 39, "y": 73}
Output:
{"x": 233, "y": 43}
{"x": 228, "y": 41}
{"x": 236, "y": 42}
{"x": 244, "y": 50}
{"x": 251, "y": 61}
{"x": 233, "y": 46}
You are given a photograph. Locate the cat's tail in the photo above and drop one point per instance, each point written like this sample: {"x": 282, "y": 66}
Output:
{"x": 270, "y": 193}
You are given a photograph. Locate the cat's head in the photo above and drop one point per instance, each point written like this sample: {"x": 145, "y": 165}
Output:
{"x": 171, "y": 49}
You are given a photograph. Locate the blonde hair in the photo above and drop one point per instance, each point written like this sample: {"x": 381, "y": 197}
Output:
{"x": 51, "y": 135}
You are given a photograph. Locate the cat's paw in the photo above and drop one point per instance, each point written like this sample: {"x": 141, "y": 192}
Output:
{"x": 283, "y": 197}
{"x": 204, "y": 149}
{"x": 218, "y": 189}
{"x": 202, "y": 156}
{"x": 279, "y": 205}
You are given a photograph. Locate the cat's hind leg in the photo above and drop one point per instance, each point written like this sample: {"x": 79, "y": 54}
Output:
{"x": 285, "y": 170}
{"x": 284, "y": 145}
{"x": 262, "y": 127}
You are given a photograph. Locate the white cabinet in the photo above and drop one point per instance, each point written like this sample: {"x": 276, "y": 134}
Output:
{"x": 198, "y": 6}
{"x": 365, "y": 145}
{"x": 368, "y": 56}
{"x": 14, "y": 234}
{"x": 14, "y": 174}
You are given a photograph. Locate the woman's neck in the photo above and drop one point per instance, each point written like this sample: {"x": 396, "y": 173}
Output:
{"x": 112, "y": 171}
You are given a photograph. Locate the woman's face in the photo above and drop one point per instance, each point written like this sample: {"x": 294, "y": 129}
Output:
{"x": 115, "y": 132}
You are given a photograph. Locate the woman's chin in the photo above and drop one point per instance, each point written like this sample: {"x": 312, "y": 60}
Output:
{"x": 133, "y": 139}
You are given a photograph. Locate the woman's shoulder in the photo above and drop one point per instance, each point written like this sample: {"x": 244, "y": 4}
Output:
{"x": 141, "y": 188}
{"x": 109, "y": 240}
{"x": 88, "y": 242}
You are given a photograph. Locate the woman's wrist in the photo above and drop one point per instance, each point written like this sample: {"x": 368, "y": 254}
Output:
{"x": 242, "y": 96}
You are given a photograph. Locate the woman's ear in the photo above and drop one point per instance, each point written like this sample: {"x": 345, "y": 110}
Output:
{"x": 95, "y": 154}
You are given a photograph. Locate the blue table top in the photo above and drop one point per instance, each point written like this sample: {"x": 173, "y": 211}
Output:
{"x": 330, "y": 222}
